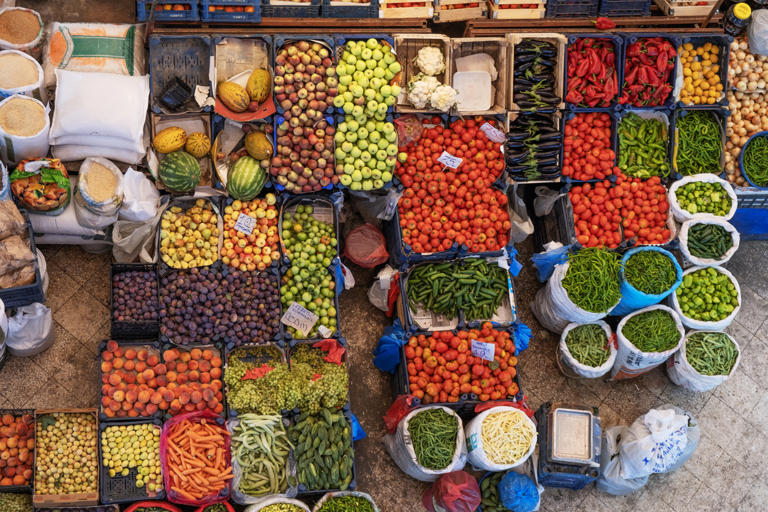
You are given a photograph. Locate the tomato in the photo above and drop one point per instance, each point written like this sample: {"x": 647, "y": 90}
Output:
{"x": 587, "y": 152}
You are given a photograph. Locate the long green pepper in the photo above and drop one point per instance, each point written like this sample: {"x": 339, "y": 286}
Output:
{"x": 756, "y": 161}
{"x": 652, "y": 331}
{"x": 588, "y": 344}
{"x": 711, "y": 353}
{"x": 710, "y": 241}
{"x": 699, "y": 143}
{"x": 433, "y": 435}
{"x": 592, "y": 279}
{"x": 650, "y": 272}
{"x": 643, "y": 147}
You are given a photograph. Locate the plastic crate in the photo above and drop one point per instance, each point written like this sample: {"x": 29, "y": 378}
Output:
{"x": 28, "y": 293}
{"x": 130, "y": 330}
{"x": 19, "y": 489}
{"x": 187, "y": 58}
{"x": 223, "y": 16}
{"x": 723, "y": 42}
{"x": 339, "y": 9}
{"x": 751, "y": 214}
{"x": 286, "y": 9}
{"x": 122, "y": 489}
{"x": 143, "y": 11}
{"x": 557, "y": 123}
{"x": 721, "y": 114}
{"x": 231, "y": 412}
{"x": 557, "y": 225}
{"x": 618, "y": 46}
{"x": 614, "y": 137}
{"x": 666, "y": 113}
{"x": 218, "y": 351}
{"x": 571, "y": 8}
{"x": 625, "y": 8}
{"x": 669, "y": 103}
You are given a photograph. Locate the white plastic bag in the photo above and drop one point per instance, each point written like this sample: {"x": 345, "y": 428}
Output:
{"x": 64, "y": 223}
{"x": 545, "y": 200}
{"x": 682, "y": 215}
{"x": 135, "y": 241}
{"x": 42, "y": 265}
{"x": 36, "y": 89}
{"x": 399, "y": 447}
{"x": 141, "y": 198}
{"x": 693, "y": 434}
{"x": 93, "y": 214}
{"x": 14, "y": 148}
{"x": 30, "y": 330}
{"x": 703, "y": 325}
{"x": 653, "y": 443}
{"x": 522, "y": 225}
{"x": 683, "y": 374}
{"x": 378, "y": 293}
{"x": 757, "y": 32}
{"x": 33, "y": 47}
{"x": 475, "y": 452}
{"x": 630, "y": 361}
{"x": 708, "y": 219}
{"x": 571, "y": 367}
{"x": 610, "y": 480}
{"x": 339, "y": 494}
{"x": 554, "y": 309}
{"x": 273, "y": 500}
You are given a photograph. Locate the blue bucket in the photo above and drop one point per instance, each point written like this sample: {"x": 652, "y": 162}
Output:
{"x": 633, "y": 299}
{"x": 741, "y": 159}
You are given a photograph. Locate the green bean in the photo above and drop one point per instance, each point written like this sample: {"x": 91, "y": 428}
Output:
{"x": 711, "y": 353}
{"x": 756, "y": 161}
{"x": 650, "y": 272}
{"x": 588, "y": 344}
{"x": 433, "y": 435}
{"x": 642, "y": 147}
{"x": 652, "y": 331}
{"x": 592, "y": 279}
{"x": 709, "y": 241}
{"x": 699, "y": 143}
{"x": 346, "y": 504}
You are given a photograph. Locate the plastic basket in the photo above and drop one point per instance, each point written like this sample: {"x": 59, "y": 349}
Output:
{"x": 28, "y": 293}
{"x": 614, "y": 138}
{"x": 143, "y": 11}
{"x": 187, "y": 58}
{"x": 618, "y": 47}
{"x": 19, "y": 489}
{"x": 338, "y": 9}
{"x": 669, "y": 103}
{"x": 231, "y": 412}
{"x": 130, "y": 330}
{"x": 285, "y": 9}
{"x": 625, "y": 8}
{"x": 723, "y": 42}
{"x": 218, "y": 351}
{"x": 571, "y": 8}
{"x": 223, "y": 16}
{"x": 750, "y": 216}
{"x": 721, "y": 115}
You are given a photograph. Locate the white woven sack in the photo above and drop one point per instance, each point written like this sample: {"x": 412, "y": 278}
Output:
{"x": 703, "y": 325}
{"x": 682, "y": 215}
{"x": 274, "y": 500}
{"x": 708, "y": 219}
{"x": 476, "y": 454}
{"x": 339, "y": 494}
{"x": 571, "y": 367}
{"x": 683, "y": 374}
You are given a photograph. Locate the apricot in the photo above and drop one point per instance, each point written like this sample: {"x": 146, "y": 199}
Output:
{"x": 117, "y": 363}
{"x": 8, "y": 419}
{"x": 19, "y": 480}
{"x": 193, "y": 365}
{"x": 142, "y": 354}
{"x": 216, "y": 372}
{"x": 185, "y": 357}
{"x": 152, "y": 360}
{"x": 151, "y": 409}
{"x": 129, "y": 365}
{"x": 160, "y": 369}
{"x": 115, "y": 379}
{"x": 118, "y": 396}
{"x": 212, "y": 404}
{"x": 144, "y": 396}
{"x": 163, "y": 406}
{"x": 156, "y": 398}
{"x": 196, "y": 397}
{"x": 204, "y": 366}
{"x": 130, "y": 353}
{"x": 194, "y": 375}
{"x": 162, "y": 380}
{"x": 119, "y": 352}
{"x": 184, "y": 397}
{"x": 181, "y": 367}
{"x": 205, "y": 377}
{"x": 114, "y": 405}
{"x": 171, "y": 376}
{"x": 131, "y": 397}
{"x": 127, "y": 406}
{"x": 170, "y": 355}
{"x": 133, "y": 413}
{"x": 175, "y": 405}
{"x": 107, "y": 356}
{"x": 196, "y": 353}
{"x": 140, "y": 366}
{"x": 189, "y": 407}
{"x": 168, "y": 395}
{"x": 216, "y": 362}
{"x": 207, "y": 354}
{"x": 182, "y": 378}
{"x": 112, "y": 346}
{"x": 201, "y": 406}
{"x": 106, "y": 367}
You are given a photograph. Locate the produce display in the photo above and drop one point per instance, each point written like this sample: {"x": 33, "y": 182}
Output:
{"x": 534, "y": 77}
{"x": 12, "y": 502}
{"x": 652, "y": 331}
{"x": 532, "y": 148}
{"x": 17, "y": 449}
{"x": 197, "y": 459}
{"x": 711, "y": 353}
{"x": 507, "y": 436}
{"x": 134, "y": 296}
{"x": 592, "y": 279}
{"x": 489, "y": 488}
{"x": 701, "y": 74}
{"x": 433, "y": 436}
{"x": 323, "y": 450}
{"x": 707, "y": 294}
{"x": 650, "y": 272}
{"x": 207, "y": 304}
{"x": 749, "y": 115}
{"x": 648, "y": 66}
{"x": 587, "y": 147}
{"x": 711, "y": 241}
{"x": 592, "y": 74}
{"x": 66, "y": 443}
{"x": 588, "y": 344}
{"x": 441, "y": 206}
{"x": 189, "y": 237}
{"x": 755, "y": 159}
{"x": 259, "y": 249}
{"x": 282, "y": 507}
{"x": 597, "y": 219}
{"x": 431, "y": 380}
{"x": 260, "y": 448}
{"x": 133, "y": 451}
{"x": 424, "y": 89}
{"x": 44, "y": 189}
{"x": 699, "y": 147}
{"x": 346, "y": 504}
{"x": 366, "y": 153}
{"x": 643, "y": 147}
{"x": 704, "y": 197}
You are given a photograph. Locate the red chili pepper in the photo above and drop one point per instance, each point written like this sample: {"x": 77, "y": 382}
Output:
{"x": 594, "y": 60}
{"x": 633, "y": 50}
{"x": 575, "y": 83}
{"x": 630, "y": 78}
{"x": 603, "y": 23}
{"x": 653, "y": 78}
{"x": 645, "y": 59}
{"x": 642, "y": 75}
{"x": 583, "y": 68}
{"x": 574, "y": 97}
{"x": 661, "y": 63}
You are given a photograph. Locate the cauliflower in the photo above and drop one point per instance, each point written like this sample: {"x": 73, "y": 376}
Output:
{"x": 420, "y": 89}
{"x": 430, "y": 60}
{"x": 443, "y": 98}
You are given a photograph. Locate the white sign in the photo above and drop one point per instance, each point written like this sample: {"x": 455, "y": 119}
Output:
{"x": 449, "y": 160}
{"x": 324, "y": 331}
{"x": 483, "y": 350}
{"x": 300, "y": 318}
{"x": 493, "y": 133}
{"x": 245, "y": 224}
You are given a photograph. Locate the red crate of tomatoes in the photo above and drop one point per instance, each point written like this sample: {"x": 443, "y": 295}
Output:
{"x": 589, "y": 146}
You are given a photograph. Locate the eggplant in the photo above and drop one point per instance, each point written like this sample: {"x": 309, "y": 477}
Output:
{"x": 547, "y": 154}
{"x": 547, "y": 163}
{"x": 545, "y": 99}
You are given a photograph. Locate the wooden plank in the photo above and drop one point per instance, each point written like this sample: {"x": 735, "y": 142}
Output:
{"x": 303, "y": 26}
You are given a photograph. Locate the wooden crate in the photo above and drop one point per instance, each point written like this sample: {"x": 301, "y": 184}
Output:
{"x": 406, "y": 48}
{"x": 67, "y": 500}
{"x": 458, "y": 10}
{"x": 498, "y": 11}
{"x": 192, "y": 122}
{"x": 403, "y": 9}
{"x": 498, "y": 49}
{"x": 562, "y": 48}
{"x": 677, "y": 9}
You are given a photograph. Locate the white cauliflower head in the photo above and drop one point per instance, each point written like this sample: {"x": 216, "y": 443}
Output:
{"x": 443, "y": 98}
{"x": 430, "y": 60}
{"x": 420, "y": 90}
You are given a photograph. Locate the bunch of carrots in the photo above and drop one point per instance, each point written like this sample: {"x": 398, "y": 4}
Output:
{"x": 197, "y": 459}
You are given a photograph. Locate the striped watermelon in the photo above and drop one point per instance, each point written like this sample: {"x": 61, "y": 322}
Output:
{"x": 180, "y": 172}
{"x": 246, "y": 179}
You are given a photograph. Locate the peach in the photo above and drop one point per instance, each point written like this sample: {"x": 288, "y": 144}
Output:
{"x": 163, "y": 406}
{"x": 194, "y": 375}
{"x": 215, "y": 372}
{"x": 140, "y": 366}
{"x": 196, "y": 397}
{"x": 133, "y": 413}
{"x": 152, "y": 383}
{"x": 129, "y": 365}
{"x": 113, "y": 405}
{"x": 218, "y": 396}
{"x": 171, "y": 366}
{"x": 118, "y": 396}
{"x": 121, "y": 413}
{"x": 119, "y": 352}
{"x": 106, "y": 367}
{"x": 105, "y": 401}
{"x": 175, "y": 405}
{"x": 105, "y": 388}
{"x": 156, "y": 397}
{"x": 193, "y": 365}
{"x": 196, "y": 353}
{"x": 204, "y": 366}
{"x": 19, "y": 480}
{"x": 170, "y": 355}
{"x": 162, "y": 380}
{"x": 131, "y": 396}
{"x": 184, "y": 397}
{"x": 172, "y": 385}
{"x": 127, "y": 406}
{"x": 205, "y": 377}
{"x": 181, "y": 367}
{"x": 117, "y": 363}
{"x": 189, "y": 407}
{"x": 185, "y": 357}
{"x": 148, "y": 374}
{"x": 12, "y": 462}
{"x": 130, "y": 353}
{"x": 112, "y": 346}
{"x": 171, "y": 376}
{"x": 160, "y": 369}
{"x": 168, "y": 395}
{"x": 115, "y": 379}
{"x": 201, "y": 406}
{"x": 140, "y": 379}
{"x": 107, "y": 356}
{"x": 207, "y": 354}
{"x": 6, "y": 481}
{"x": 151, "y": 409}
{"x": 129, "y": 378}
{"x": 211, "y": 404}
{"x": 30, "y": 444}
{"x": 142, "y": 354}
{"x": 153, "y": 360}
{"x": 182, "y": 378}
{"x": 216, "y": 362}
{"x": 28, "y": 474}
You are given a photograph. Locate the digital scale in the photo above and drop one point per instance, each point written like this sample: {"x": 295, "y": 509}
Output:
{"x": 569, "y": 445}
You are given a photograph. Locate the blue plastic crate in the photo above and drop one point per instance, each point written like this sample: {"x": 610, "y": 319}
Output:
{"x": 209, "y": 16}
{"x": 625, "y": 7}
{"x": 572, "y": 8}
{"x": 341, "y": 40}
{"x": 723, "y": 42}
{"x": 294, "y": 10}
{"x": 614, "y": 138}
{"x": 185, "y": 57}
{"x": 278, "y": 119}
{"x": 721, "y": 114}
{"x": 669, "y": 122}
{"x": 29, "y": 293}
{"x": 143, "y": 8}
{"x": 618, "y": 46}
{"x": 331, "y": 9}
{"x": 629, "y": 39}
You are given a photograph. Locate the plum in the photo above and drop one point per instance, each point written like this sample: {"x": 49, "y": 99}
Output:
{"x": 134, "y": 296}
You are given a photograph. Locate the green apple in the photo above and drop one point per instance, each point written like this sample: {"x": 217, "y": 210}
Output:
{"x": 383, "y": 145}
{"x": 344, "y": 80}
{"x": 402, "y": 157}
{"x": 372, "y": 106}
{"x": 391, "y": 137}
{"x": 388, "y": 75}
{"x": 370, "y": 125}
{"x": 368, "y": 185}
{"x": 389, "y": 58}
{"x": 355, "y": 185}
{"x": 353, "y": 48}
{"x": 338, "y": 152}
{"x": 386, "y": 90}
{"x": 380, "y": 126}
{"x": 360, "y": 65}
{"x": 349, "y": 168}
{"x": 376, "y": 174}
{"x": 351, "y": 137}
{"x": 359, "y": 164}
{"x": 382, "y": 108}
{"x": 352, "y": 126}
{"x": 391, "y": 161}
{"x": 347, "y": 145}
{"x": 362, "y": 144}
{"x": 355, "y": 153}
{"x": 342, "y": 89}
{"x": 361, "y": 119}
{"x": 363, "y": 81}
{"x": 368, "y": 73}
{"x": 374, "y": 137}
{"x": 388, "y": 128}
{"x": 378, "y": 72}
{"x": 372, "y": 43}
{"x": 381, "y": 165}
{"x": 341, "y": 70}
{"x": 362, "y": 133}
{"x": 348, "y": 159}
{"x": 395, "y": 90}
{"x": 381, "y": 155}
{"x": 378, "y": 183}
{"x": 338, "y": 101}
{"x": 377, "y": 54}
{"x": 348, "y": 107}
{"x": 356, "y": 175}
{"x": 394, "y": 67}
{"x": 376, "y": 82}
{"x": 379, "y": 97}
{"x": 391, "y": 150}
{"x": 366, "y": 54}
{"x": 390, "y": 100}
{"x": 345, "y": 179}
{"x": 381, "y": 116}
{"x": 366, "y": 172}
{"x": 386, "y": 176}
{"x": 356, "y": 90}
{"x": 338, "y": 137}
{"x": 343, "y": 127}
{"x": 350, "y": 59}
{"x": 348, "y": 96}
{"x": 357, "y": 111}
{"x": 365, "y": 156}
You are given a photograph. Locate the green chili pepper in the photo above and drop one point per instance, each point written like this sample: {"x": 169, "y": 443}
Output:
{"x": 699, "y": 143}
{"x": 592, "y": 279}
{"x": 588, "y": 344}
{"x": 652, "y": 331}
{"x": 756, "y": 161}
{"x": 650, "y": 272}
{"x": 642, "y": 147}
{"x": 433, "y": 435}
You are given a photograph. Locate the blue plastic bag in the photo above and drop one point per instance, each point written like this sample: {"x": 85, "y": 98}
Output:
{"x": 522, "y": 334}
{"x": 386, "y": 356}
{"x": 545, "y": 261}
{"x": 357, "y": 430}
{"x": 514, "y": 266}
{"x": 518, "y": 492}
{"x": 633, "y": 299}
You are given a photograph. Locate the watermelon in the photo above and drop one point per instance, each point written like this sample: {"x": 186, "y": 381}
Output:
{"x": 180, "y": 172}
{"x": 246, "y": 179}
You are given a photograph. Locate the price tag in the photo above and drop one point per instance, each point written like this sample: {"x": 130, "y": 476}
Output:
{"x": 324, "y": 331}
{"x": 245, "y": 224}
{"x": 449, "y": 160}
{"x": 300, "y": 318}
{"x": 493, "y": 133}
{"x": 483, "y": 350}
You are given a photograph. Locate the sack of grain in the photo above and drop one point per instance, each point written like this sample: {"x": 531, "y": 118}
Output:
{"x": 21, "y": 74}
{"x": 24, "y": 127}
{"x": 21, "y": 29}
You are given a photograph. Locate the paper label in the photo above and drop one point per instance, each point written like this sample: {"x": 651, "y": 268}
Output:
{"x": 324, "y": 331}
{"x": 449, "y": 160}
{"x": 245, "y": 224}
{"x": 483, "y": 350}
{"x": 300, "y": 318}
{"x": 493, "y": 133}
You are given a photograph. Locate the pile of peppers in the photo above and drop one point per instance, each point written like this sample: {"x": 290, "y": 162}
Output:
{"x": 592, "y": 76}
{"x": 534, "y": 80}
{"x": 647, "y": 68}
{"x": 532, "y": 148}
